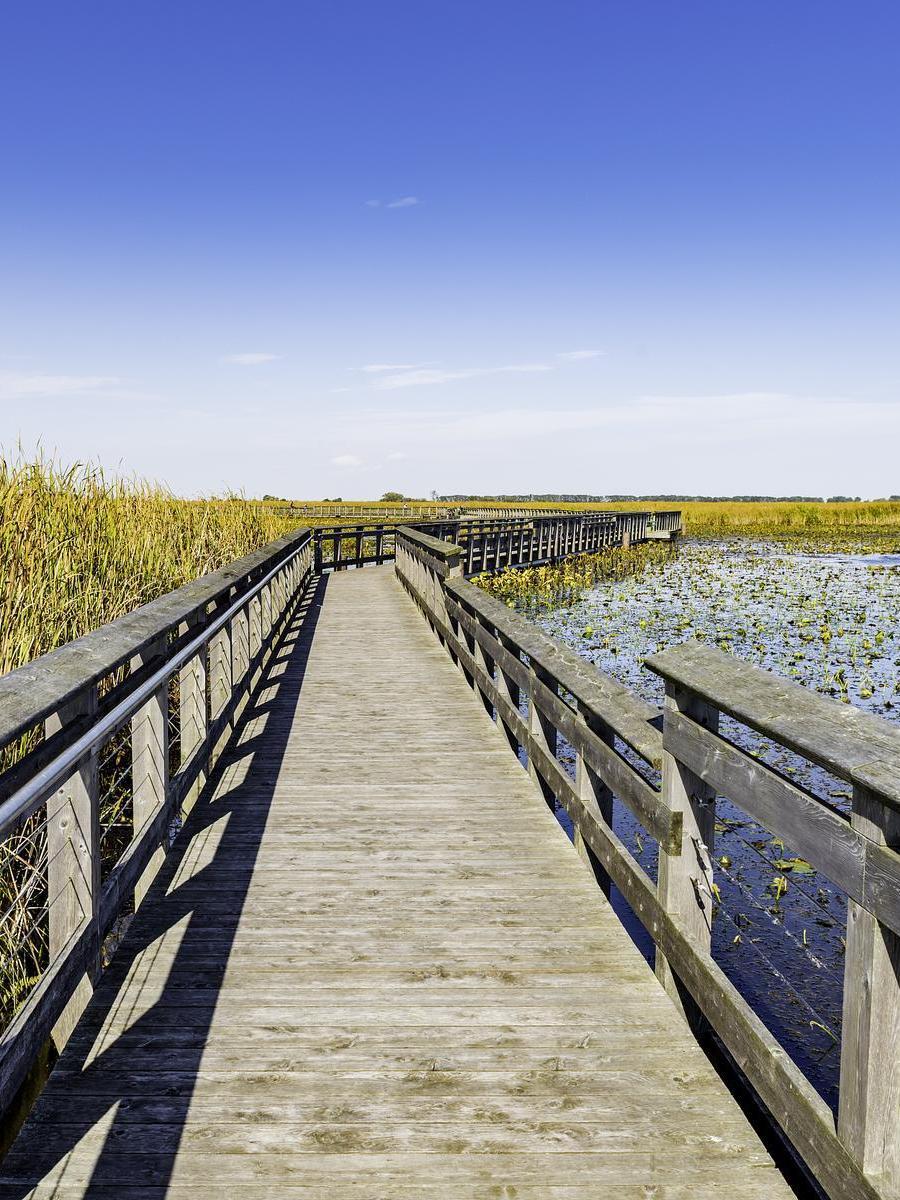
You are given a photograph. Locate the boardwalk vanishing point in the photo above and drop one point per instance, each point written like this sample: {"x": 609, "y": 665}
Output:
{"x": 372, "y": 964}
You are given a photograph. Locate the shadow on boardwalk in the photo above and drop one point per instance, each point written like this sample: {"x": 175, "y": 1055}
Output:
{"x": 136, "y": 1085}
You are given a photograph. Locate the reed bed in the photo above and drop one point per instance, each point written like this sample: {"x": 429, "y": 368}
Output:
{"x": 79, "y": 549}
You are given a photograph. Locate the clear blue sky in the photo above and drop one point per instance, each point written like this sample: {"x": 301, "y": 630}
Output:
{"x": 635, "y": 246}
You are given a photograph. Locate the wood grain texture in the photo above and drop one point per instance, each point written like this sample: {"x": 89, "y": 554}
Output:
{"x": 853, "y": 744}
{"x": 375, "y": 967}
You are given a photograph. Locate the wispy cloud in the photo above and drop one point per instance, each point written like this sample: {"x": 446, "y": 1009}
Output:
{"x": 431, "y": 377}
{"x": 400, "y": 202}
{"x": 390, "y": 376}
{"x": 18, "y": 385}
{"x": 379, "y": 368}
{"x": 250, "y": 360}
{"x": 347, "y": 460}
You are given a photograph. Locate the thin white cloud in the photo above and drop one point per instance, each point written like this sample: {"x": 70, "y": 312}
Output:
{"x": 250, "y": 360}
{"x": 18, "y": 385}
{"x": 373, "y": 204}
{"x": 402, "y": 375}
{"x": 434, "y": 376}
{"x": 397, "y": 456}
{"x": 404, "y": 202}
{"x": 347, "y": 460}
{"x": 379, "y": 368}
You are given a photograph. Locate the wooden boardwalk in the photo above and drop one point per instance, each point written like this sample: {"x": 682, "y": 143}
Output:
{"x": 374, "y": 966}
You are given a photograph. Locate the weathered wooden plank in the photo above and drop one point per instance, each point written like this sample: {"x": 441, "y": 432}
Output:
{"x": 869, "y": 1107}
{"x": 73, "y": 863}
{"x": 867, "y": 872}
{"x": 853, "y": 744}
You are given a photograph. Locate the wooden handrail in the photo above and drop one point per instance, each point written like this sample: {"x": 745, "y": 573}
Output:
{"x": 538, "y": 691}
{"x": 31, "y": 693}
{"x": 855, "y": 745}
{"x": 215, "y": 637}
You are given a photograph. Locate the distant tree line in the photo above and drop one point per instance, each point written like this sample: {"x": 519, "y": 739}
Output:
{"x": 559, "y": 498}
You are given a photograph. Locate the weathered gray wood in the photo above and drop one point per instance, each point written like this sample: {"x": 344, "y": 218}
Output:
{"x": 542, "y": 735}
{"x": 193, "y": 719}
{"x": 624, "y": 713}
{"x": 412, "y": 1008}
{"x": 150, "y": 760}
{"x": 597, "y": 797}
{"x": 853, "y": 744}
{"x": 685, "y": 881}
{"x": 868, "y": 871}
{"x": 73, "y": 863}
{"x": 661, "y": 822}
{"x": 221, "y": 678}
{"x": 869, "y": 1112}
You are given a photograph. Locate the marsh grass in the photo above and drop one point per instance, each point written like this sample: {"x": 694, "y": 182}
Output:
{"x": 79, "y": 549}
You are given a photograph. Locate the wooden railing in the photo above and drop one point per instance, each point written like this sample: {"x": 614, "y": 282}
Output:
{"x": 106, "y": 743}
{"x": 494, "y": 543}
{"x": 543, "y": 695}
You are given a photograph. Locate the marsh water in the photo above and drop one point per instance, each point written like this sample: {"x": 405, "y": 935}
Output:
{"x": 828, "y": 621}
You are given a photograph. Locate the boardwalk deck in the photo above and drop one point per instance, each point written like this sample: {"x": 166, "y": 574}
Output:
{"x": 375, "y": 967}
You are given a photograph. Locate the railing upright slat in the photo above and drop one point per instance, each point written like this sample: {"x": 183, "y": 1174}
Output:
{"x": 73, "y": 861}
{"x": 150, "y": 759}
{"x": 869, "y": 1095}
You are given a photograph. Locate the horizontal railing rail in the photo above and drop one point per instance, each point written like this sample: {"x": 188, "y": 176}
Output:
{"x": 108, "y": 742}
{"x": 544, "y": 697}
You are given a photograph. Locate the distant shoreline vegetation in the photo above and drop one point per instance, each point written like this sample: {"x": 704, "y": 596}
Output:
{"x": 559, "y": 498}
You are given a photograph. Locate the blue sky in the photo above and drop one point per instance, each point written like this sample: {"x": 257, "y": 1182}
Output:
{"x": 631, "y": 247}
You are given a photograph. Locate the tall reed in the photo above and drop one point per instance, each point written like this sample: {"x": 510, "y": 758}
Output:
{"x": 78, "y": 549}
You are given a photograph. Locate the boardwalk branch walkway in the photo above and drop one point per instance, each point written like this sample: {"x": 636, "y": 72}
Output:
{"x": 375, "y": 967}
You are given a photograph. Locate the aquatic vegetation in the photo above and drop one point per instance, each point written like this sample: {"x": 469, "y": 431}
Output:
{"x": 562, "y": 582}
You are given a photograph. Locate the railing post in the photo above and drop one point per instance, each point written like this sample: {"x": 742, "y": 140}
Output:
{"x": 869, "y": 1097}
{"x": 597, "y": 798}
{"x": 543, "y": 732}
{"x": 254, "y": 620}
{"x": 220, "y": 684}
{"x": 685, "y": 881}
{"x": 265, "y": 601}
{"x": 73, "y": 861}
{"x": 507, "y": 687}
{"x": 483, "y": 659}
{"x": 150, "y": 760}
{"x": 240, "y": 657}
{"x": 193, "y": 723}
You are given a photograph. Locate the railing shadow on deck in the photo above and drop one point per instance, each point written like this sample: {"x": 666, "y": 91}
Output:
{"x": 93, "y": 1082}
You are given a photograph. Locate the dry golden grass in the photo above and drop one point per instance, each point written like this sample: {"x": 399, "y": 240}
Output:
{"x": 78, "y": 549}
